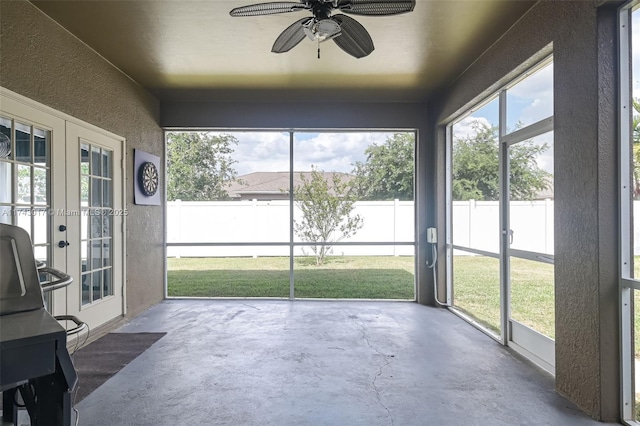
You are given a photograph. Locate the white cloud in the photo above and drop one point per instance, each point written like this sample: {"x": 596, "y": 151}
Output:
{"x": 465, "y": 128}
{"x": 260, "y": 151}
{"x": 531, "y": 100}
{"x": 334, "y": 151}
{"x": 269, "y": 151}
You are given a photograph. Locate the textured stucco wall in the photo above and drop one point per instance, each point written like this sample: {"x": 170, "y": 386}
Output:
{"x": 582, "y": 37}
{"x": 42, "y": 61}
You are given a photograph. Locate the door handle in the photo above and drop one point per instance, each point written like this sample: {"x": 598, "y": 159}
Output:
{"x": 504, "y": 232}
{"x": 63, "y": 243}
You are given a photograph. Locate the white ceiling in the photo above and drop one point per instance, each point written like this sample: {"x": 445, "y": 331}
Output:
{"x": 195, "y": 50}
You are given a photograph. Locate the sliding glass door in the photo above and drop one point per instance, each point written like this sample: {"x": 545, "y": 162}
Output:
{"x": 501, "y": 215}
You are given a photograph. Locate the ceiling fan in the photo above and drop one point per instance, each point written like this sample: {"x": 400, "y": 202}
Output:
{"x": 345, "y": 31}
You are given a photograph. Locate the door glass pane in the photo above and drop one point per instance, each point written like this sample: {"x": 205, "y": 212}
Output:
{"x": 106, "y": 223}
{"x": 41, "y": 146}
{"x": 531, "y": 220}
{"x": 530, "y": 100}
{"x": 532, "y": 295}
{"x": 96, "y": 162}
{"x": 6, "y": 215}
{"x": 24, "y": 184}
{"x": 84, "y": 191}
{"x": 6, "y": 153}
{"x": 23, "y": 218}
{"x": 96, "y": 192}
{"x": 106, "y": 163}
{"x": 23, "y": 143}
{"x": 84, "y": 159}
{"x": 106, "y": 252}
{"x": 475, "y": 210}
{"x": 476, "y": 287}
{"x": 96, "y": 253}
{"x": 96, "y": 223}
{"x": 84, "y": 256}
{"x": 5, "y": 181}
{"x": 107, "y": 283}
{"x": 531, "y": 194}
{"x": 475, "y": 187}
{"x": 96, "y": 285}
{"x": 40, "y": 178}
{"x": 86, "y": 288}
{"x": 106, "y": 193}
{"x": 40, "y": 226}
{"x": 84, "y": 225}
{"x": 41, "y": 253}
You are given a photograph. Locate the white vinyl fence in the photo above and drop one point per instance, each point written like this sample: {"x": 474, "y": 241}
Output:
{"x": 475, "y": 225}
{"x": 268, "y": 222}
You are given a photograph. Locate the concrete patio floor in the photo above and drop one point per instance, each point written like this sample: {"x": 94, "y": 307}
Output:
{"x": 266, "y": 362}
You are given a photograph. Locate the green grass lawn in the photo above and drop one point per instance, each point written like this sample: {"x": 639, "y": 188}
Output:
{"x": 350, "y": 277}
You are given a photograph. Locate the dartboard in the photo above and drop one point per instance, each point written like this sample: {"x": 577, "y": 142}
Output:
{"x": 148, "y": 178}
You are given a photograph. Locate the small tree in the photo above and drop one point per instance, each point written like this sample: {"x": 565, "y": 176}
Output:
{"x": 199, "y": 166}
{"x": 326, "y": 212}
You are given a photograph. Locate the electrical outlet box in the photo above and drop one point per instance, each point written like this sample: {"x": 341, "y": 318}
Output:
{"x": 432, "y": 235}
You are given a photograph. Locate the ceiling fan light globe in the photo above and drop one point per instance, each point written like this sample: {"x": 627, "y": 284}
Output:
{"x": 322, "y": 30}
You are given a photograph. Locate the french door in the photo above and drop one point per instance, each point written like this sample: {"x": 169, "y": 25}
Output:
{"x": 94, "y": 223}
{"x": 61, "y": 180}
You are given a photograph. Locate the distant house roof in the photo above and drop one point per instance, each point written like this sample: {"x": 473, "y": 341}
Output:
{"x": 273, "y": 185}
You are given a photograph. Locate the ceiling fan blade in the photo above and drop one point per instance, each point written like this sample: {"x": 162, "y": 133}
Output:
{"x": 354, "y": 38}
{"x": 290, "y": 37}
{"x": 271, "y": 8}
{"x": 376, "y": 7}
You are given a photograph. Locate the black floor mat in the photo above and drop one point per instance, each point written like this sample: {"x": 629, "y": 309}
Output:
{"x": 100, "y": 360}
